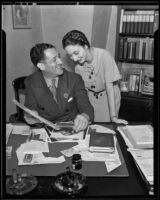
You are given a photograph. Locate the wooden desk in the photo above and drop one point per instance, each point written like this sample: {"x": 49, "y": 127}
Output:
{"x": 99, "y": 187}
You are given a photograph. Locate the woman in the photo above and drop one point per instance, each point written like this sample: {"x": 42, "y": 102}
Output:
{"x": 100, "y": 74}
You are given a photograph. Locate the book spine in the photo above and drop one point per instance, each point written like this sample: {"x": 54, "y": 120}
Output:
{"x": 143, "y": 24}
{"x": 140, "y": 24}
{"x": 135, "y": 24}
{"x": 147, "y": 48}
{"x": 151, "y": 24}
{"x": 132, "y": 23}
{"x": 137, "y": 49}
{"x": 124, "y": 23}
{"x": 121, "y": 45}
{"x": 128, "y": 23}
{"x": 121, "y": 21}
{"x": 140, "y": 80}
{"x": 140, "y": 48}
{"x": 156, "y": 21}
{"x": 143, "y": 49}
{"x": 137, "y": 83}
{"x": 125, "y": 48}
{"x": 147, "y": 24}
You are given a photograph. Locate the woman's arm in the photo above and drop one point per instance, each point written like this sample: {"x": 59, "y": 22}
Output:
{"x": 111, "y": 102}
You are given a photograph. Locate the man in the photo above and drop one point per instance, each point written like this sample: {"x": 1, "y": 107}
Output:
{"x": 69, "y": 101}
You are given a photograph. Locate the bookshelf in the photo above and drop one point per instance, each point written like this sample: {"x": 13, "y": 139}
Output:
{"x": 136, "y": 26}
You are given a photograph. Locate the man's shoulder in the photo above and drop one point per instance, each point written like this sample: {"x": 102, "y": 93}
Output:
{"x": 71, "y": 74}
{"x": 33, "y": 78}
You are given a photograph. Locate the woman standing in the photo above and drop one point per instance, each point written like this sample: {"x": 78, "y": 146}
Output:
{"x": 100, "y": 74}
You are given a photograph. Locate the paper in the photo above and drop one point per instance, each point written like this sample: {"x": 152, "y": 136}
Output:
{"x": 102, "y": 129}
{"x": 21, "y": 129}
{"x": 9, "y": 128}
{"x": 38, "y": 158}
{"x": 112, "y": 165}
{"x": 140, "y": 136}
{"x": 35, "y": 115}
{"x": 61, "y": 136}
{"x": 144, "y": 160}
{"x": 34, "y": 146}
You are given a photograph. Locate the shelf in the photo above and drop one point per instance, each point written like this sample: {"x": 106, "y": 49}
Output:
{"x": 136, "y": 95}
{"x": 144, "y": 35}
{"x": 148, "y": 62}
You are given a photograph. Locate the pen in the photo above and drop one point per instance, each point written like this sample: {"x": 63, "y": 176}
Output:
{"x": 48, "y": 133}
{"x": 70, "y": 99}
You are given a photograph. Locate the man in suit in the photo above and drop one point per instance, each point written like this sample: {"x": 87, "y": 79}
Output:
{"x": 67, "y": 100}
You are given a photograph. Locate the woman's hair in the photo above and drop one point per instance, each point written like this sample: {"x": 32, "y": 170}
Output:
{"x": 75, "y": 37}
{"x": 37, "y": 52}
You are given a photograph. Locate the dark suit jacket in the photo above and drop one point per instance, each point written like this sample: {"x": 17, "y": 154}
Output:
{"x": 39, "y": 97}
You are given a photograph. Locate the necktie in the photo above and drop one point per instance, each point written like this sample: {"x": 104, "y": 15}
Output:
{"x": 53, "y": 89}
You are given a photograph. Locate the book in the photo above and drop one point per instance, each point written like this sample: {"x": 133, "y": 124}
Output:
{"x": 101, "y": 142}
{"x": 137, "y": 136}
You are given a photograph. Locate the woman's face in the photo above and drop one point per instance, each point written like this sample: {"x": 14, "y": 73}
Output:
{"x": 77, "y": 53}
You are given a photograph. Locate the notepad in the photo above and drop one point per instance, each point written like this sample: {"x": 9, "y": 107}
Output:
{"x": 101, "y": 142}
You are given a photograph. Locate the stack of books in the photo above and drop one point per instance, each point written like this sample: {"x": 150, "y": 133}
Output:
{"x": 102, "y": 142}
{"x": 139, "y": 139}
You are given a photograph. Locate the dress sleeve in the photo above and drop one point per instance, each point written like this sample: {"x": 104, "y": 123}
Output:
{"x": 110, "y": 69}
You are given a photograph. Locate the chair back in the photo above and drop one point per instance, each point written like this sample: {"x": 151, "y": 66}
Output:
{"x": 19, "y": 89}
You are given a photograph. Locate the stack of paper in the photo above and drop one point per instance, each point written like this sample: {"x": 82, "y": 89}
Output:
{"x": 144, "y": 161}
{"x": 139, "y": 139}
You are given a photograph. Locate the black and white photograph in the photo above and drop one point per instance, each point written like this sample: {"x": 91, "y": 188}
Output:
{"x": 79, "y": 100}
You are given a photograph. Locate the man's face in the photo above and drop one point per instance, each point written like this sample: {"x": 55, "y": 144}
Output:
{"x": 52, "y": 63}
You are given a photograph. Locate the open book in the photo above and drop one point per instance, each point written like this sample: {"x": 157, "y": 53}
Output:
{"x": 137, "y": 136}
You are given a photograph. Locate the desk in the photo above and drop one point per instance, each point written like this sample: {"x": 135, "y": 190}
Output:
{"x": 101, "y": 186}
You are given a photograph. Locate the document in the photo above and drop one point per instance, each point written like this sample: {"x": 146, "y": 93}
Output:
{"x": 35, "y": 115}
{"x": 137, "y": 136}
{"x": 144, "y": 162}
{"x": 9, "y": 128}
{"x": 102, "y": 129}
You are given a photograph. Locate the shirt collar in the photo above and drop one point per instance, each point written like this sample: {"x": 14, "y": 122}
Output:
{"x": 49, "y": 81}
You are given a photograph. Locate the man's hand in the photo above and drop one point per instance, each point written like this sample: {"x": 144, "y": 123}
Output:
{"x": 30, "y": 119}
{"x": 81, "y": 122}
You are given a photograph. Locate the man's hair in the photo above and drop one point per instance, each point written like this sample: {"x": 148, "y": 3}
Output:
{"x": 75, "y": 37}
{"x": 37, "y": 52}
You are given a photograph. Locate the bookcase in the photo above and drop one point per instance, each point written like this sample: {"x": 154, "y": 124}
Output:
{"x": 136, "y": 26}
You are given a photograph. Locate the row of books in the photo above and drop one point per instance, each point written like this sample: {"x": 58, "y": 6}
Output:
{"x": 139, "y": 21}
{"x": 139, "y": 140}
{"x": 136, "y": 48}
{"x": 137, "y": 81}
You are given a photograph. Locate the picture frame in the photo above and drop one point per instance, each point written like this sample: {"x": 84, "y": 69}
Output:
{"x": 21, "y": 16}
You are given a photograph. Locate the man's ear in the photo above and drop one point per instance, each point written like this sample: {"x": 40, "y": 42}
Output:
{"x": 41, "y": 66}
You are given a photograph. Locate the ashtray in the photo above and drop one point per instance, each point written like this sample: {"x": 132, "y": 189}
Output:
{"x": 26, "y": 184}
{"x": 70, "y": 183}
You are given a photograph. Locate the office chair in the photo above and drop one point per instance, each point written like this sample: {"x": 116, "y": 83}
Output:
{"x": 19, "y": 89}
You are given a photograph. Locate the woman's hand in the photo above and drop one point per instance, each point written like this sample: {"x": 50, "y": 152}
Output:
{"x": 81, "y": 122}
{"x": 119, "y": 121}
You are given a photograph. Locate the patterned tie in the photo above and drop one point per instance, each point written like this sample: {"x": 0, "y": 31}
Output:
{"x": 53, "y": 89}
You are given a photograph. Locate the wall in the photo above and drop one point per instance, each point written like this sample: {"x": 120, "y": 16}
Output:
{"x": 50, "y": 24}
{"x": 58, "y": 20}
{"x": 18, "y": 44}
